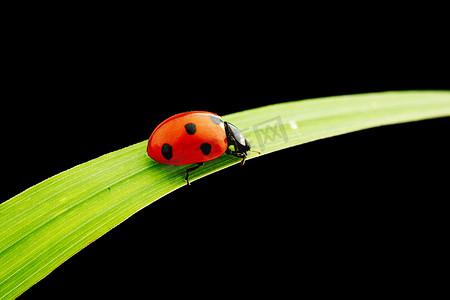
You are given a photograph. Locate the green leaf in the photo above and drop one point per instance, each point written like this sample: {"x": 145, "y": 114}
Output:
{"x": 51, "y": 221}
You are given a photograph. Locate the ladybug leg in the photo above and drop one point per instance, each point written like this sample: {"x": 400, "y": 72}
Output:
{"x": 192, "y": 169}
{"x": 244, "y": 157}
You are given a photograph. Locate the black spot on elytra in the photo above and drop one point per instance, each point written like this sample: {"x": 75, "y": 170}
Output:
{"x": 190, "y": 128}
{"x": 206, "y": 148}
{"x": 166, "y": 151}
{"x": 216, "y": 119}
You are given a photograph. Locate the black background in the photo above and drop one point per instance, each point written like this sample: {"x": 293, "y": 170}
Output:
{"x": 363, "y": 205}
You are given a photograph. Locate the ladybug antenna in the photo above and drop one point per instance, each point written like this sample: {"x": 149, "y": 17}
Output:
{"x": 255, "y": 151}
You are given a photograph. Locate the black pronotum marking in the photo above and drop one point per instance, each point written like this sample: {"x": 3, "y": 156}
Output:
{"x": 190, "y": 128}
{"x": 206, "y": 148}
{"x": 216, "y": 120}
{"x": 166, "y": 151}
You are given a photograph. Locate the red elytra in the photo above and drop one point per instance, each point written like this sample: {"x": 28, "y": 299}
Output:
{"x": 195, "y": 137}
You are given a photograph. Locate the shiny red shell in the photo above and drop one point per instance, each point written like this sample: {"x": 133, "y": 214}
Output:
{"x": 187, "y": 138}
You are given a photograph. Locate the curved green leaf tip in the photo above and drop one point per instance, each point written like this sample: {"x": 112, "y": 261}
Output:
{"x": 51, "y": 221}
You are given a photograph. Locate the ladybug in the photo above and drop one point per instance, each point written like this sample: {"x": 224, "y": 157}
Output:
{"x": 194, "y": 138}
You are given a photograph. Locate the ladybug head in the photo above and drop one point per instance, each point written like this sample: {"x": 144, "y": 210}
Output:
{"x": 238, "y": 145}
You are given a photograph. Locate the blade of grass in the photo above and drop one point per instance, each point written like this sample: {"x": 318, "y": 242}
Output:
{"x": 51, "y": 221}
